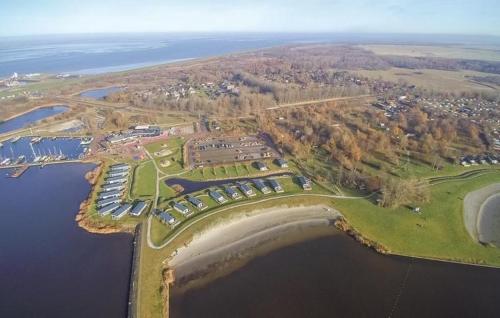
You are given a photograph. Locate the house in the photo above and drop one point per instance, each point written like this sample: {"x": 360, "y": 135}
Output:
{"x": 304, "y": 183}
{"x": 181, "y": 208}
{"x": 232, "y": 193}
{"x": 121, "y": 211}
{"x": 196, "y": 202}
{"x": 110, "y": 194}
{"x": 282, "y": 163}
{"x": 109, "y": 201}
{"x": 119, "y": 167}
{"x": 261, "y": 166}
{"x": 261, "y": 186}
{"x": 108, "y": 209}
{"x": 114, "y": 174}
{"x": 115, "y": 180}
{"x": 246, "y": 190}
{"x": 166, "y": 217}
{"x": 139, "y": 207}
{"x": 276, "y": 186}
{"x": 219, "y": 198}
{"x": 111, "y": 187}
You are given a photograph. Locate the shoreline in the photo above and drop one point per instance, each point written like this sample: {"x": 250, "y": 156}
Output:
{"x": 33, "y": 109}
{"x": 229, "y": 244}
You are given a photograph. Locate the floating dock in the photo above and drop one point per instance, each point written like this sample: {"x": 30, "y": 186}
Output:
{"x": 19, "y": 171}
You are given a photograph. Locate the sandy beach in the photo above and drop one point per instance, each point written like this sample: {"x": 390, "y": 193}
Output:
{"x": 227, "y": 245}
{"x": 482, "y": 214}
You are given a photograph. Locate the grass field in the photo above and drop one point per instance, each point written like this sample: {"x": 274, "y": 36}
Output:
{"x": 143, "y": 186}
{"x": 438, "y": 232}
{"x": 453, "y": 52}
{"x": 449, "y": 81}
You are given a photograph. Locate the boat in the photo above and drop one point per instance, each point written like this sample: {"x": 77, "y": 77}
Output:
{"x": 20, "y": 159}
{"x": 1, "y": 145}
{"x": 37, "y": 159}
{"x": 15, "y": 139}
{"x": 36, "y": 140}
{"x": 5, "y": 162}
{"x": 86, "y": 141}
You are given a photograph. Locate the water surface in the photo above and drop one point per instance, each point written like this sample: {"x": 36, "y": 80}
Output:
{"x": 31, "y": 117}
{"x": 100, "y": 93}
{"x": 49, "y": 267}
{"x": 336, "y": 277}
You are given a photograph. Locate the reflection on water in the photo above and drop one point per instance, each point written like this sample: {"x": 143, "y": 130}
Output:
{"x": 336, "y": 277}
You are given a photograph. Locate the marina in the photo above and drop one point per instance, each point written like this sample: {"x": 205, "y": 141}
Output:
{"x": 41, "y": 150}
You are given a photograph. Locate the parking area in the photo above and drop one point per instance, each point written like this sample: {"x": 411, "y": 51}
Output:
{"x": 223, "y": 150}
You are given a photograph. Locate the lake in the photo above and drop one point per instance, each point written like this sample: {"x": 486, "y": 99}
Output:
{"x": 100, "y": 93}
{"x": 49, "y": 266}
{"x": 335, "y": 276}
{"x": 31, "y": 117}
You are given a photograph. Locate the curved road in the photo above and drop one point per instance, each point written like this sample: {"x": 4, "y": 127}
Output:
{"x": 157, "y": 247}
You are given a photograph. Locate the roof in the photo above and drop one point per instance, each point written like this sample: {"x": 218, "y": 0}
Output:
{"x": 118, "y": 165}
{"x": 194, "y": 200}
{"x": 230, "y": 191}
{"x": 245, "y": 187}
{"x": 180, "y": 206}
{"x": 109, "y": 194}
{"x": 122, "y": 210}
{"x": 108, "y": 201}
{"x": 261, "y": 165}
{"x": 281, "y": 161}
{"x": 138, "y": 208}
{"x": 216, "y": 194}
{"x": 108, "y": 208}
{"x": 303, "y": 180}
{"x": 115, "y": 179}
{"x": 167, "y": 217}
{"x": 274, "y": 183}
{"x": 113, "y": 186}
{"x": 259, "y": 183}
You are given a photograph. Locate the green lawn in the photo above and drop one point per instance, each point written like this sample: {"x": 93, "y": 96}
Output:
{"x": 438, "y": 232}
{"x": 144, "y": 181}
{"x": 174, "y": 144}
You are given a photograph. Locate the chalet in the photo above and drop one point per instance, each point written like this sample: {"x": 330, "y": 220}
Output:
{"x": 282, "y": 163}
{"x": 304, "y": 183}
{"x": 115, "y": 180}
{"x": 110, "y": 194}
{"x": 139, "y": 207}
{"x": 181, "y": 208}
{"x": 219, "y": 198}
{"x": 276, "y": 186}
{"x": 166, "y": 217}
{"x": 115, "y": 174}
{"x": 109, "y": 201}
{"x": 196, "y": 202}
{"x": 108, "y": 209}
{"x": 246, "y": 190}
{"x": 232, "y": 193}
{"x": 111, "y": 187}
{"x": 261, "y": 166}
{"x": 261, "y": 186}
{"x": 119, "y": 167}
{"x": 121, "y": 211}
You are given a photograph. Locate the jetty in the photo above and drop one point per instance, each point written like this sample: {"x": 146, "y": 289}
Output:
{"x": 19, "y": 171}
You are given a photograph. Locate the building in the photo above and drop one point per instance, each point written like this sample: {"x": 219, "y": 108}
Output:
{"x": 282, "y": 163}
{"x": 115, "y": 174}
{"x": 166, "y": 217}
{"x": 116, "y": 180}
{"x": 111, "y": 187}
{"x": 232, "y": 193}
{"x": 261, "y": 166}
{"x": 181, "y": 208}
{"x": 119, "y": 167}
{"x": 138, "y": 208}
{"x": 304, "y": 183}
{"x": 261, "y": 186}
{"x": 109, "y": 201}
{"x": 246, "y": 190}
{"x": 146, "y": 131}
{"x": 219, "y": 198}
{"x": 196, "y": 202}
{"x": 110, "y": 194}
{"x": 108, "y": 209}
{"x": 276, "y": 186}
{"x": 120, "y": 138}
{"x": 121, "y": 211}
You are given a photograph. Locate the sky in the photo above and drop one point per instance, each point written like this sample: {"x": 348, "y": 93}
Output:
{"x": 29, "y": 17}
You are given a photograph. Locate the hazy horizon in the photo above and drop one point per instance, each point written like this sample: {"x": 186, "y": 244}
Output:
{"x": 52, "y": 17}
